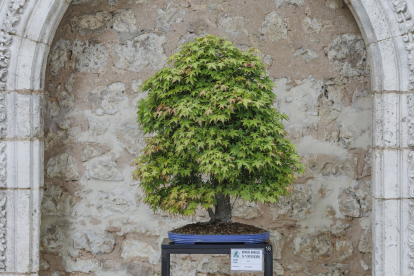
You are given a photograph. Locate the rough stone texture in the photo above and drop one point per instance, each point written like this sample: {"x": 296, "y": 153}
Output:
{"x": 306, "y": 54}
{"x": 92, "y": 220}
{"x": 348, "y": 54}
{"x": 92, "y": 151}
{"x": 365, "y": 244}
{"x": 105, "y": 100}
{"x": 330, "y": 165}
{"x": 96, "y": 130}
{"x": 355, "y": 201}
{"x": 116, "y": 200}
{"x": 299, "y": 205}
{"x": 344, "y": 249}
{"x": 91, "y": 23}
{"x": 138, "y": 250}
{"x": 312, "y": 247}
{"x": 295, "y": 266}
{"x": 279, "y": 3}
{"x": 335, "y": 4}
{"x": 278, "y": 269}
{"x": 274, "y": 27}
{"x": 63, "y": 166}
{"x": 95, "y": 241}
{"x": 103, "y": 170}
{"x": 170, "y": 15}
{"x": 278, "y": 242}
{"x": 124, "y": 21}
{"x": 59, "y": 55}
{"x": 246, "y": 209}
{"x": 144, "y": 50}
{"x": 90, "y": 56}
{"x": 130, "y": 137}
{"x": 232, "y": 25}
{"x": 312, "y": 25}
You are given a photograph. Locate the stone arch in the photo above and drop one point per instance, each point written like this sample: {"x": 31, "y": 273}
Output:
{"x": 27, "y": 29}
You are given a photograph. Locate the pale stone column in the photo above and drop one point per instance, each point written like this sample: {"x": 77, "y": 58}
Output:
{"x": 26, "y": 31}
{"x": 22, "y": 155}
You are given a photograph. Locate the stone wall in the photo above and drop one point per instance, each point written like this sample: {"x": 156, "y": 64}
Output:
{"x": 103, "y": 50}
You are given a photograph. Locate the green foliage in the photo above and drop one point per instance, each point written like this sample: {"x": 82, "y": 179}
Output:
{"x": 210, "y": 114}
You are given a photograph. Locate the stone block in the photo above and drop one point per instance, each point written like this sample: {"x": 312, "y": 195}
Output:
{"x": 24, "y": 115}
{"x": 24, "y": 161}
{"x": 22, "y": 230}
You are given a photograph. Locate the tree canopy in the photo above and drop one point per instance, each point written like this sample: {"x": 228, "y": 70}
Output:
{"x": 211, "y": 129}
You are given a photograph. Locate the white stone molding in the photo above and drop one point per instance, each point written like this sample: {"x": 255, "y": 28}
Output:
{"x": 27, "y": 29}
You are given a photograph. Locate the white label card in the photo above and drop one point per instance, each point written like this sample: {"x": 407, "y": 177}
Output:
{"x": 249, "y": 259}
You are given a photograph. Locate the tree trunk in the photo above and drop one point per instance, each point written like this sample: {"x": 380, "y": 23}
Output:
{"x": 222, "y": 208}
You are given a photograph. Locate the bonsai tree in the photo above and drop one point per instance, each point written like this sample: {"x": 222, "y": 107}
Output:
{"x": 212, "y": 132}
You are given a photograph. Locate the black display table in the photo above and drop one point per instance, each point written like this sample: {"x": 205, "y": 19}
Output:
{"x": 169, "y": 247}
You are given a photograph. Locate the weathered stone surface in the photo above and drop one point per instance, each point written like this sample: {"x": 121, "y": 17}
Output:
{"x": 95, "y": 23}
{"x": 44, "y": 265}
{"x": 330, "y": 165}
{"x": 134, "y": 250}
{"x": 56, "y": 202}
{"x": 336, "y": 269}
{"x": 92, "y": 151}
{"x": 112, "y": 265}
{"x": 295, "y": 266}
{"x": 232, "y": 25}
{"x": 335, "y": 4}
{"x": 279, "y": 3}
{"x": 347, "y": 54}
{"x": 344, "y": 249}
{"x": 211, "y": 265}
{"x": 124, "y": 21}
{"x": 278, "y": 242}
{"x": 59, "y": 56}
{"x": 89, "y": 56}
{"x": 364, "y": 265}
{"x": 130, "y": 137}
{"x": 355, "y": 201}
{"x": 274, "y": 27}
{"x": 187, "y": 38}
{"x": 299, "y": 205}
{"x": 116, "y": 200}
{"x": 348, "y": 204}
{"x": 311, "y": 247}
{"x": 66, "y": 104}
{"x": 340, "y": 228}
{"x": 144, "y": 50}
{"x": 138, "y": 269}
{"x": 365, "y": 244}
{"x": 52, "y": 240}
{"x": 63, "y": 166}
{"x": 106, "y": 99}
{"x": 215, "y": 8}
{"x": 105, "y": 170}
{"x": 306, "y": 54}
{"x": 198, "y": 26}
{"x": 172, "y": 14}
{"x": 312, "y": 25}
{"x": 96, "y": 130}
{"x": 82, "y": 265}
{"x": 95, "y": 241}
{"x": 278, "y": 269}
{"x": 322, "y": 108}
{"x": 246, "y": 209}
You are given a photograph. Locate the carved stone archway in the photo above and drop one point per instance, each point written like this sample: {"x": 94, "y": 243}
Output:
{"x": 27, "y": 28}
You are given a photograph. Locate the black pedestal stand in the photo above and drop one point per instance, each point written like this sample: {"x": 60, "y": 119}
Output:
{"x": 168, "y": 247}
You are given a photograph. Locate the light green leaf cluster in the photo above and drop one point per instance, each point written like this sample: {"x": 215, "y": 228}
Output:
{"x": 213, "y": 130}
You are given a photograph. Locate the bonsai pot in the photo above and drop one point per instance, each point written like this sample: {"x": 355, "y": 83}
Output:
{"x": 192, "y": 239}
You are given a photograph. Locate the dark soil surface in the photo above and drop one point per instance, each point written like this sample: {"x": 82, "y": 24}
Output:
{"x": 206, "y": 228}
